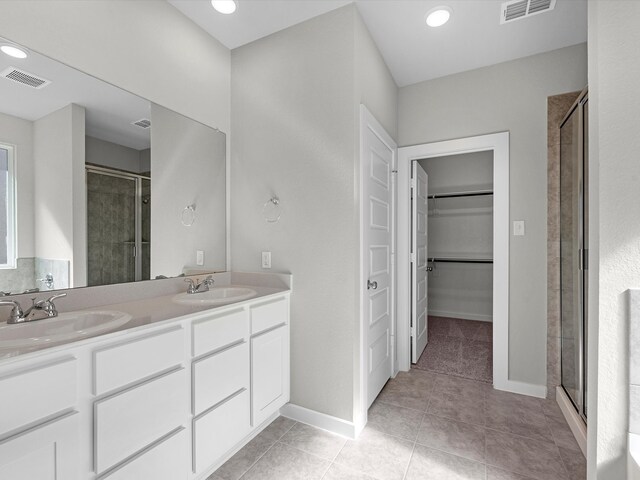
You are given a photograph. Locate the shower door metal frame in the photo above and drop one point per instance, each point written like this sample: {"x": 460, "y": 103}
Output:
{"x": 583, "y": 251}
{"x": 137, "y": 246}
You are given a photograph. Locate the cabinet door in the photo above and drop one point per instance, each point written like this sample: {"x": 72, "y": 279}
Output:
{"x": 269, "y": 373}
{"x": 48, "y": 452}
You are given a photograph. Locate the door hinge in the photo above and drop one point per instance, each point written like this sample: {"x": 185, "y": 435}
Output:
{"x": 413, "y": 183}
{"x": 412, "y": 257}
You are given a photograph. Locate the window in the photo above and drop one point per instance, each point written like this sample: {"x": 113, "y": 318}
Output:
{"x": 7, "y": 207}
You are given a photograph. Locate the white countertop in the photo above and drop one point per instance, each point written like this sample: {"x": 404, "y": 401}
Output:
{"x": 145, "y": 312}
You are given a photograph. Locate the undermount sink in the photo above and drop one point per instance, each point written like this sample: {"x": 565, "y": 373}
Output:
{"x": 64, "y": 327}
{"x": 215, "y": 296}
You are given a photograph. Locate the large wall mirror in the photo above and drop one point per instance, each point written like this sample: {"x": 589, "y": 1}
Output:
{"x": 99, "y": 186}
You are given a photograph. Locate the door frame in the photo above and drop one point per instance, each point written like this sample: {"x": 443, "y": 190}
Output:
{"x": 499, "y": 144}
{"x": 369, "y": 122}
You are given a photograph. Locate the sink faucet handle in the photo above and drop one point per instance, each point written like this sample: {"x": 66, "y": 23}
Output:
{"x": 192, "y": 286}
{"x": 55, "y": 297}
{"x": 209, "y": 280}
{"x": 16, "y": 311}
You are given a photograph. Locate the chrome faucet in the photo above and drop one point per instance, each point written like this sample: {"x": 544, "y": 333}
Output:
{"x": 199, "y": 287}
{"x": 37, "y": 311}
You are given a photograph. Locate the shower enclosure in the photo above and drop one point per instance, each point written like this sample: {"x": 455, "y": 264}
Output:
{"x": 118, "y": 226}
{"x": 574, "y": 249}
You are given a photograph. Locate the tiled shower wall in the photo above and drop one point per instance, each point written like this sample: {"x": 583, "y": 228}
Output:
{"x": 557, "y": 107}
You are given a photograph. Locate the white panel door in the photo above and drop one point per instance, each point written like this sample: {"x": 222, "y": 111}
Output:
{"x": 419, "y": 280}
{"x": 378, "y": 206}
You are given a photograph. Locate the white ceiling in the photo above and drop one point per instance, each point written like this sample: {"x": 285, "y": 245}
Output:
{"x": 473, "y": 38}
{"x": 109, "y": 110}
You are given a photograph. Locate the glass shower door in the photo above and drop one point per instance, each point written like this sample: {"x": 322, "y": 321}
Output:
{"x": 573, "y": 254}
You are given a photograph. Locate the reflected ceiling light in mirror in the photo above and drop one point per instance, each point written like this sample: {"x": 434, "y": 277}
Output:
{"x": 224, "y": 6}
{"x": 436, "y": 17}
{"x": 13, "y": 51}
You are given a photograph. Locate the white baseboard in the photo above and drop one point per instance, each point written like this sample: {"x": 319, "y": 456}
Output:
{"x": 320, "y": 420}
{"x": 576, "y": 424}
{"x": 522, "y": 388}
{"x": 463, "y": 316}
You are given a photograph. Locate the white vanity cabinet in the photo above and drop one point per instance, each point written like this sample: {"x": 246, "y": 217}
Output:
{"x": 39, "y": 420}
{"x": 167, "y": 402}
{"x": 269, "y": 358}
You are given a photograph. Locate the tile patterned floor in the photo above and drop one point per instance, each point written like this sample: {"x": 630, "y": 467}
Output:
{"x": 463, "y": 348}
{"x": 423, "y": 426}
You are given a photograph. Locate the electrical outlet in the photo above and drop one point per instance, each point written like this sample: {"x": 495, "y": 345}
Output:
{"x": 199, "y": 257}
{"x": 266, "y": 259}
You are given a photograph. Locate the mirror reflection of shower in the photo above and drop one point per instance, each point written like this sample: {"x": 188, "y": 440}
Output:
{"x": 118, "y": 226}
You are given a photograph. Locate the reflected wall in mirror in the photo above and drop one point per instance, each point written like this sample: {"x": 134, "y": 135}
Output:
{"x": 94, "y": 181}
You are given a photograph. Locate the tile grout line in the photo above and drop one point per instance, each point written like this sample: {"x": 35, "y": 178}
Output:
{"x": 267, "y": 450}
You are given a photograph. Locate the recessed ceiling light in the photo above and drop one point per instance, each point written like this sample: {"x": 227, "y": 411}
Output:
{"x": 438, "y": 16}
{"x": 224, "y": 6}
{"x": 13, "y": 51}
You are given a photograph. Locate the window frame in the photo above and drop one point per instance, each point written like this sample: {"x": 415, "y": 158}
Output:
{"x": 12, "y": 226}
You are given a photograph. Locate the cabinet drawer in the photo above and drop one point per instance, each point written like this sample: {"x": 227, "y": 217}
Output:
{"x": 219, "y": 331}
{"x": 219, "y": 376}
{"x": 216, "y": 432}
{"x": 33, "y": 393}
{"x": 125, "y": 363}
{"x": 131, "y": 420}
{"x": 268, "y": 315}
{"x": 168, "y": 460}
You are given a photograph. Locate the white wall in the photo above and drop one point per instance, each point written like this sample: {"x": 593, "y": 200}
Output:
{"x": 112, "y": 155}
{"x": 614, "y": 75}
{"x": 510, "y": 96}
{"x": 59, "y": 189}
{"x": 146, "y": 47}
{"x": 187, "y": 167}
{"x": 295, "y": 100}
{"x": 19, "y": 132}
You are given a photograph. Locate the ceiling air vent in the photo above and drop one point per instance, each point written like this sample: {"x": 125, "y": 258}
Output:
{"x": 24, "y": 78}
{"x": 518, "y": 9}
{"x": 142, "y": 123}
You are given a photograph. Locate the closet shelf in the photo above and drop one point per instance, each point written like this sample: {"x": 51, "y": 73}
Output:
{"x": 458, "y": 260}
{"x": 475, "y": 193}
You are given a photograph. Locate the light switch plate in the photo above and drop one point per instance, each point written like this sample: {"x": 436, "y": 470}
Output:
{"x": 518, "y": 228}
{"x": 266, "y": 259}
{"x": 199, "y": 257}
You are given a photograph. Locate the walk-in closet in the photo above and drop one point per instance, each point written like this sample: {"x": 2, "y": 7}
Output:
{"x": 459, "y": 265}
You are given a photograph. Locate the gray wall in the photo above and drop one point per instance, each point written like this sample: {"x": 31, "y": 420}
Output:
{"x": 159, "y": 59}
{"x": 614, "y": 75}
{"x": 112, "y": 155}
{"x": 187, "y": 167}
{"x": 295, "y": 101}
{"x": 510, "y": 96}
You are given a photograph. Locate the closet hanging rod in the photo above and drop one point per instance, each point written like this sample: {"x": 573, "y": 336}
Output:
{"x": 477, "y": 193}
{"x": 459, "y": 260}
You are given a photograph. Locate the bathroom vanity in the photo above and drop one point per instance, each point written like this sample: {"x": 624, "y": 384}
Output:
{"x": 169, "y": 395}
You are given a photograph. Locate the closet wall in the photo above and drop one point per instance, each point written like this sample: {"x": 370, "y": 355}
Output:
{"x": 461, "y": 227}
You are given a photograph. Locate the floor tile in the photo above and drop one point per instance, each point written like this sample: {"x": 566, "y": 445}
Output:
{"x": 339, "y": 472}
{"x": 430, "y": 464}
{"x": 463, "y": 408}
{"x": 283, "y": 462}
{"x": 410, "y": 389}
{"x": 517, "y": 414}
{"x": 393, "y": 420}
{"x": 562, "y": 434}
{"x": 551, "y": 409}
{"x": 381, "y": 456}
{"x": 313, "y": 440}
{"x": 494, "y": 473}
{"x": 575, "y": 463}
{"x": 538, "y": 459}
{"x": 453, "y": 385}
{"x": 242, "y": 461}
{"x": 278, "y": 428}
{"x": 458, "y": 438}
